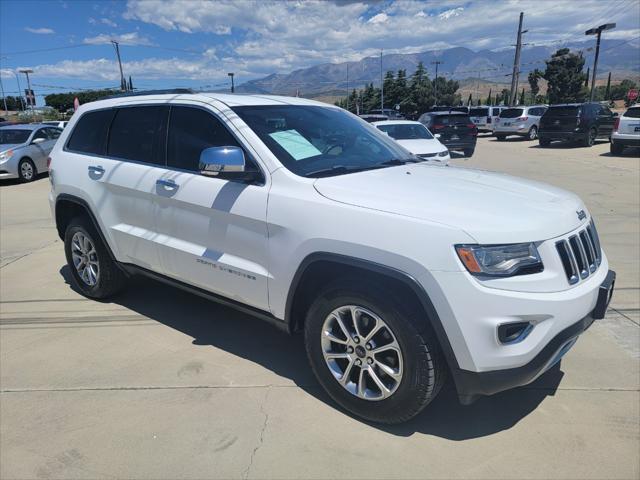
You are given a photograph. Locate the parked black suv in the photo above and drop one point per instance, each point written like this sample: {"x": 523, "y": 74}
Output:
{"x": 455, "y": 129}
{"x": 576, "y": 122}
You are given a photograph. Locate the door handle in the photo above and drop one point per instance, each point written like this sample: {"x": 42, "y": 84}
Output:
{"x": 95, "y": 171}
{"x": 167, "y": 184}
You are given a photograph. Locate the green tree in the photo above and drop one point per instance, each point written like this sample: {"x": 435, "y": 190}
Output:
{"x": 565, "y": 78}
{"x": 522, "y": 102}
{"x": 504, "y": 96}
{"x": 533, "y": 78}
{"x": 420, "y": 91}
{"x": 64, "y": 101}
{"x": 13, "y": 103}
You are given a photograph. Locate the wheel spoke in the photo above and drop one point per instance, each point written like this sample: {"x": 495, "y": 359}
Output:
{"x": 378, "y": 326}
{"x": 333, "y": 338}
{"x": 392, "y": 372}
{"x": 383, "y": 388}
{"x": 345, "y": 376}
{"x": 362, "y": 385}
{"x": 354, "y": 317}
{"x": 342, "y": 326}
{"x": 335, "y": 356}
{"x": 389, "y": 346}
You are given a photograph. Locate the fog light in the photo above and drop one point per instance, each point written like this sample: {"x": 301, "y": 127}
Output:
{"x": 514, "y": 332}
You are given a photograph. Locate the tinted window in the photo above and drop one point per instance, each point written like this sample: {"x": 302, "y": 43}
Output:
{"x": 53, "y": 133}
{"x": 135, "y": 134}
{"x": 42, "y": 133}
{"x": 511, "y": 113}
{"x": 478, "y": 112}
{"x": 406, "y": 131}
{"x": 563, "y": 111}
{"x": 633, "y": 113}
{"x": 315, "y": 141}
{"x": 8, "y": 137}
{"x": 191, "y": 130}
{"x": 496, "y": 112}
{"x": 90, "y": 133}
{"x": 453, "y": 119}
{"x": 604, "y": 110}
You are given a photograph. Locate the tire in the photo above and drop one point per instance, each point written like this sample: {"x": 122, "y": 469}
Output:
{"x": 27, "y": 170}
{"x": 101, "y": 277}
{"x": 590, "y": 139}
{"x": 616, "y": 148}
{"x": 532, "y": 134}
{"x": 420, "y": 364}
{"x": 468, "y": 152}
{"x": 543, "y": 142}
{"x": 501, "y": 138}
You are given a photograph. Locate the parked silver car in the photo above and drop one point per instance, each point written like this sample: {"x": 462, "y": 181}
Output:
{"x": 521, "y": 121}
{"x": 24, "y": 150}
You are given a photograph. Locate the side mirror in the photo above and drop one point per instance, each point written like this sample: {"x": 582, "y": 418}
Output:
{"x": 36, "y": 141}
{"x": 616, "y": 114}
{"x": 215, "y": 160}
{"x": 437, "y": 135}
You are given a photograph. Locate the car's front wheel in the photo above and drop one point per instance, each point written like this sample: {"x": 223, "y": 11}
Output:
{"x": 374, "y": 357}
{"x": 27, "y": 170}
{"x": 93, "y": 270}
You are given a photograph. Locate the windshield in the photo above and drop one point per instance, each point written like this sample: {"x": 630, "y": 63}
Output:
{"x": 314, "y": 141}
{"x": 563, "y": 111}
{"x": 511, "y": 113}
{"x": 633, "y": 113}
{"x": 406, "y": 131}
{"x": 479, "y": 112}
{"x": 13, "y": 136}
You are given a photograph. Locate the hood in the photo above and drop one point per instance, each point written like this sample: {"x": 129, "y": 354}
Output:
{"x": 421, "y": 146}
{"x": 4, "y": 147}
{"x": 491, "y": 207}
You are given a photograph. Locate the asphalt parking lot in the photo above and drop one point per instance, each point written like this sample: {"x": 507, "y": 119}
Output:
{"x": 162, "y": 384}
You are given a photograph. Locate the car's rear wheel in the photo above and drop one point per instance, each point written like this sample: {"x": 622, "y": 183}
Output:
{"x": 590, "y": 139}
{"x": 27, "y": 170}
{"x": 368, "y": 352}
{"x": 616, "y": 148}
{"x": 533, "y": 133}
{"x": 93, "y": 270}
{"x": 501, "y": 138}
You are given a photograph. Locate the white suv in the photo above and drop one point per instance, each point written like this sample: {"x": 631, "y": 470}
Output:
{"x": 626, "y": 130}
{"x": 398, "y": 272}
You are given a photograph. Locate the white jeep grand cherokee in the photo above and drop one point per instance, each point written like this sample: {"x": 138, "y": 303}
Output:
{"x": 398, "y": 272}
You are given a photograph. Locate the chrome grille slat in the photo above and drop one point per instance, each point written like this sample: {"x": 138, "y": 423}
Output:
{"x": 580, "y": 253}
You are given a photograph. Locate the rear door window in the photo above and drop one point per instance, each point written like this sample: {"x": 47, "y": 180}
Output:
{"x": 42, "y": 133}
{"x": 633, "y": 113}
{"x": 191, "y": 130}
{"x": 90, "y": 132}
{"x": 479, "y": 112}
{"x": 137, "y": 133}
{"x": 511, "y": 113}
{"x": 563, "y": 111}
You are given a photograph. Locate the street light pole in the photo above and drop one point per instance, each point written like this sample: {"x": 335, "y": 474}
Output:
{"x": 123, "y": 82}
{"x": 597, "y": 31}
{"x": 435, "y": 82}
{"x": 381, "y": 86}
{"x": 27, "y": 71}
{"x": 19, "y": 90}
{"x": 4, "y": 99}
{"x": 233, "y": 88}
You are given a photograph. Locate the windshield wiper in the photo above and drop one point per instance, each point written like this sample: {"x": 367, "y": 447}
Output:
{"x": 341, "y": 169}
{"x": 399, "y": 161}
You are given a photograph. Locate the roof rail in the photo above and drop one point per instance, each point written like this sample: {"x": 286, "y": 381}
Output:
{"x": 150, "y": 92}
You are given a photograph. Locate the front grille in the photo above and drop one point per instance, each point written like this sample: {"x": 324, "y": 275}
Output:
{"x": 580, "y": 254}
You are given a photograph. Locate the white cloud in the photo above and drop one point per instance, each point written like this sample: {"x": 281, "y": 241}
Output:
{"x": 40, "y": 31}
{"x": 132, "y": 38}
{"x": 108, "y": 22}
{"x": 447, "y": 14}
{"x": 379, "y": 18}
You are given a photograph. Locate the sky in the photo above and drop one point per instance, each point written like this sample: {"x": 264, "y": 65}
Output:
{"x": 195, "y": 43}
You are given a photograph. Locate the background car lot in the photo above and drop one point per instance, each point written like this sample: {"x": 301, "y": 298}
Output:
{"x": 159, "y": 383}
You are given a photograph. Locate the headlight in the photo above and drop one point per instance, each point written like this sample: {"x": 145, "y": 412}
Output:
{"x": 5, "y": 155}
{"x": 500, "y": 260}
{"x": 443, "y": 154}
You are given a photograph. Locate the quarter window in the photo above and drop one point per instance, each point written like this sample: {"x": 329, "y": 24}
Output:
{"x": 42, "y": 133}
{"x": 137, "y": 134}
{"x": 192, "y": 130}
{"x": 90, "y": 132}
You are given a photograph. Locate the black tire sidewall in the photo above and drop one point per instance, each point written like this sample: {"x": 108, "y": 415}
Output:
{"x": 106, "y": 265}
{"x": 412, "y": 395}
{"x": 33, "y": 167}
{"x": 533, "y": 133}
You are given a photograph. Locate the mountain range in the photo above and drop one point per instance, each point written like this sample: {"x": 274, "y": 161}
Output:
{"x": 458, "y": 63}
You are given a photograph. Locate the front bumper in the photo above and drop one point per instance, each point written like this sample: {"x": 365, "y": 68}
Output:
{"x": 470, "y": 385}
{"x": 6, "y": 175}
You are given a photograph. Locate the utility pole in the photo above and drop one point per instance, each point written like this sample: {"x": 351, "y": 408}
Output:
{"x": 435, "y": 82}
{"x": 381, "y": 86}
{"x": 597, "y": 31}
{"x": 233, "y": 88}
{"x": 515, "y": 75}
{"x": 347, "y": 85}
{"x": 19, "y": 90}
{"x": 123, "y": 83}
{"x": 27, "y": 71}
{"x": 4, "y": 99}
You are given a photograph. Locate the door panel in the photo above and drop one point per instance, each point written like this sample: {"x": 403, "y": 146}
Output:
{"x": 212, "y": 232}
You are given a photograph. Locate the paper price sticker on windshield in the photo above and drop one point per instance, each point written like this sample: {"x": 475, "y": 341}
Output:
{"x": 295, "y": 144}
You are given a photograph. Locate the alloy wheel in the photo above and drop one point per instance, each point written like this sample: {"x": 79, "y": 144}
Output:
{"x": 85, "y": 259}
{"x": 362, "y": 352}
{"x": 26, "y": 170}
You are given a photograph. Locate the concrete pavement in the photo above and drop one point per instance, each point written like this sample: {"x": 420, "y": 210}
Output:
{"x": 162, "y": 384}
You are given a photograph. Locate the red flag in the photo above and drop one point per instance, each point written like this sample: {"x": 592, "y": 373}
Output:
{"x": 76, "y": 103}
